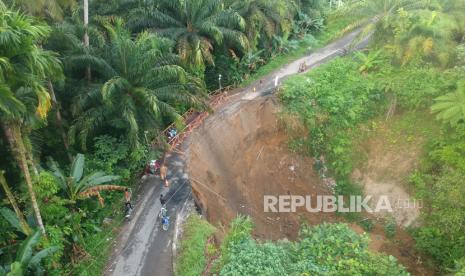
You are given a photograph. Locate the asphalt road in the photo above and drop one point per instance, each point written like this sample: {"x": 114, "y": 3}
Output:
{"x": 144, "y": 248}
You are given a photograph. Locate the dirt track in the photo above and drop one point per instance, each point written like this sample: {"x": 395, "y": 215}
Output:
{"x": 142, "y": 249}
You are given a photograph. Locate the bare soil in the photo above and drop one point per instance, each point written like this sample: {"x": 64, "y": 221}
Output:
{"x": 390, "y": 159}
{"x": 241, "y": 154}
{"x": 237, "y": 159}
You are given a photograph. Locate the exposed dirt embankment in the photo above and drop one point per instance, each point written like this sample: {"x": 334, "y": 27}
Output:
{"x": 391, "y": 156}
{"x": 240, "y": 155}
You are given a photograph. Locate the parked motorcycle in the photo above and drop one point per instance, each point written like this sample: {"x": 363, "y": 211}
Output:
{"x": 153, "y": 168}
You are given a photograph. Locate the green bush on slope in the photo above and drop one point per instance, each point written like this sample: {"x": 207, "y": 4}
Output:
{"x": 326, "y": 249}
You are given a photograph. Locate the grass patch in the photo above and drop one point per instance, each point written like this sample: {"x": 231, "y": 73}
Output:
{"x": 407, "y": 128}
{"x": 416, "y": 124}
{"x": 191, "y": 259}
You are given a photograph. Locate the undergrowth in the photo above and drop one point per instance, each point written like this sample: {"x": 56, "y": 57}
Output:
{"x": 191, "y": 259}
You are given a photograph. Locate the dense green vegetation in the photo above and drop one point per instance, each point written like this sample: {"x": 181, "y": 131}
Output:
{"x": 191, "y": 259}
{"x": 86, "y": 87}
{"x": 414, "y": 66}
{"x": 83, "y": 97}
{"x": 326, "y": 249}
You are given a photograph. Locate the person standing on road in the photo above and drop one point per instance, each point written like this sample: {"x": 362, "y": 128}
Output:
{"x": 163, "y": 173}
{"x": 162, "y": 200}
{"x": 163, "y": 210}
{"x": 127, "y": 198}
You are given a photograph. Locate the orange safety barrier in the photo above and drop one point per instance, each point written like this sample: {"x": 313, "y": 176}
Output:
{"x": 192, "y": 118}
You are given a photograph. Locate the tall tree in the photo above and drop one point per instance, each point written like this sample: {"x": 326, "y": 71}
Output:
{"x": 25, "y": 67}
{"x": 262, "y": 17}
{"x": 86, "y": 33}
{"x": 53, "y": 9}
{"x": 143, "y": 84}
{"x": 19, "y": 215}
{"x": 383, "y": 11}
{"x": 197, "y": 26}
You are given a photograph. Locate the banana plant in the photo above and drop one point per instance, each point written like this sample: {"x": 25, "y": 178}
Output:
{"x": 369, "y": 61}
{"x": 77, "y": 185}
{"x": 27, "y": 261}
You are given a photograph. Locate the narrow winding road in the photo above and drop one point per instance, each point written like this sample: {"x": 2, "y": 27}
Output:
{"x": 143, "y": 248}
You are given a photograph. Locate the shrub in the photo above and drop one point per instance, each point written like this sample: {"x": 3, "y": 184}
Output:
{"x": 191, "y": 259}
{"x": 439, "y": 183}
{"x": 331, "y": 101}
{"x": 326, "y": 249}
{"x": 390, "y": 228}
{"x": 367, "y": 224}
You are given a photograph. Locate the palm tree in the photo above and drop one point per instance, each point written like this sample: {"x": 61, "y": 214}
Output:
{"x": 383, "y": 11}
{"x": 261, "y": 17}
{"x": 76, "y": 55}
{"x": 140, "y": 93}
{"x": 77, "y": 185}
{"x": 369, "y": 61}
{"x": 430, "y": 35}
{"x": 197, "y": 26}
{"x": 450, "y": 107}
{"x": 50, "y": 8}
{"x": 25, "y": 66}
{"x": 78, "y": 60}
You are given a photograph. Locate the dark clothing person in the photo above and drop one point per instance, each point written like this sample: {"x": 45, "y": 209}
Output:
{"x": 162, "y": 200}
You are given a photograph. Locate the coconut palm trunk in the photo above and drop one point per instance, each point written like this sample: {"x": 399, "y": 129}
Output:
{"x": 14, "y": 137}
{"x": 14, "y": 204}
{"x": 28, "y": 151}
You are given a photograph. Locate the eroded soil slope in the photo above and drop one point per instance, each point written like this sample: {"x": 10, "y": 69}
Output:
{"x": 239, "y": 156}
{"x": 392, "y": 151}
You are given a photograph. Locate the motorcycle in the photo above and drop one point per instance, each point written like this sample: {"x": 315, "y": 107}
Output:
{"x": 127, "y": 211}
{"x": 153, "y": 168}
{"x": 165, "y": 222}
{"x": 163, "y": 212}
